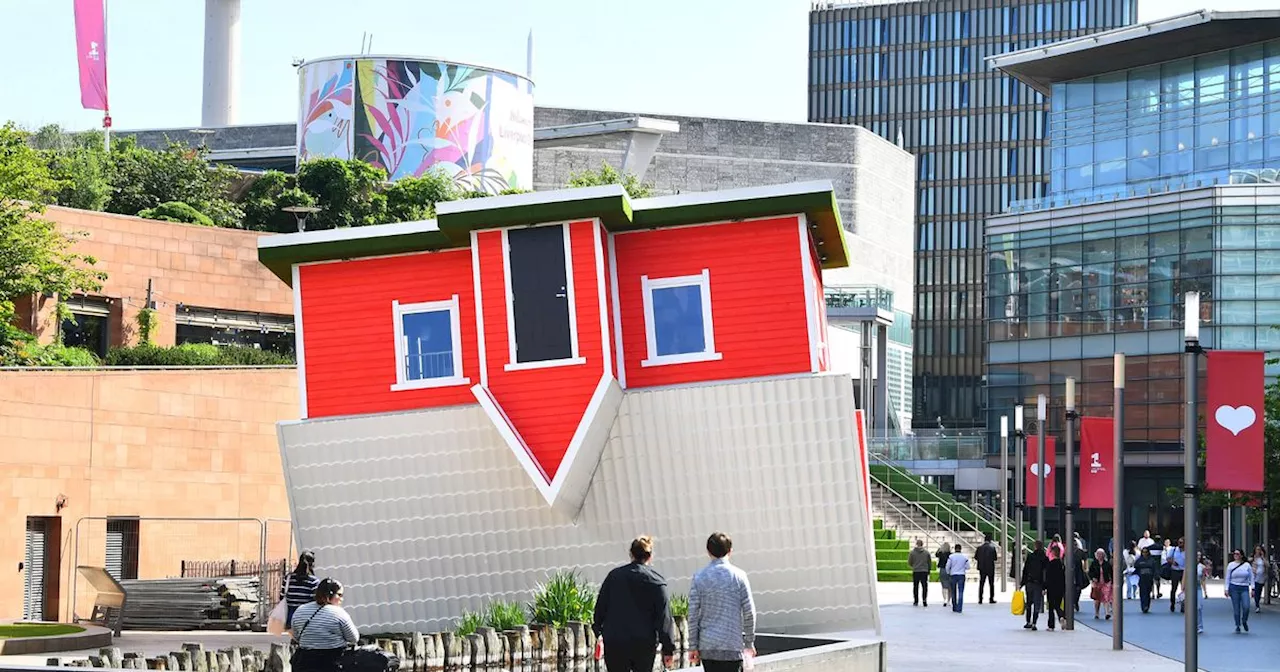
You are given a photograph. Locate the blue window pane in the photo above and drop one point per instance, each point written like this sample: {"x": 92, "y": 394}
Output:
{"x": 678, "y": 320}
{"x": 428, "y": 345}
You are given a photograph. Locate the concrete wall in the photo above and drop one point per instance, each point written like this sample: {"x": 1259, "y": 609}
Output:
{"x": 425, "y": 514}
{"x": 194, "y": 443}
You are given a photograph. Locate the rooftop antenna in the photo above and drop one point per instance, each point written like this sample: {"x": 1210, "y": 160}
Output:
{"x": 363, "y": 36}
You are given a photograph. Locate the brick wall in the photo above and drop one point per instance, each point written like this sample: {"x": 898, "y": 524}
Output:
{"x": 187, "y": 264}
{"x": 149, "y": 444}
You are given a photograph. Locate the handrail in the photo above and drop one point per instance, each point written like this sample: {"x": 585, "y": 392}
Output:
{"x": 993, "y": 517}
{"x": 920, "y": 507}
{"x": 918, "y": 528}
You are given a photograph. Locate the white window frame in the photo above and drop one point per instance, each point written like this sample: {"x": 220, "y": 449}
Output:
{"x": 703, "y": 282}
{"x": 399, "y": 311}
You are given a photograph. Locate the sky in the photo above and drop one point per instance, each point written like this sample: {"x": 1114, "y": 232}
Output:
{"x": 740, "y": 59}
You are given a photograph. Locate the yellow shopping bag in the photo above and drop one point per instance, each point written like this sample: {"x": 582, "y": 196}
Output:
{"x": 1019, "y": 604}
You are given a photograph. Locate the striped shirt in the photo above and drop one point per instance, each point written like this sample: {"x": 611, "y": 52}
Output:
{"x": 318, "y": 626}
{"x": 297, "y": 591}
{"x": 722, "y": 613}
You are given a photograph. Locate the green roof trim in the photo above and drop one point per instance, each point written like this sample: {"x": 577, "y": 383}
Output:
{"x": 455, "y": 220}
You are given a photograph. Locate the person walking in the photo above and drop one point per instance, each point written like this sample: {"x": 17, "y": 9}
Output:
{"x": 1033, "y": 584}
{"x": 1079, "y": 572}
{"x": 1240, "y": 579}
{"x": 986, "y": 556}
{"x": 1259, "y": 577}
{"x": 300, "y": 585}
{"x": 1130, "y": 576}
{"x": 957, "y": 567}
{"x": 921, "y": 563}
{"x": 1147, "y": 568}
{"x": 1055, "y": 586}
{"x": 1164, "y": 559}
{"x": 1182, "y": 599}
{"x": 1176, "y": 558}
{"x": 722, "y": 613}
{"x": 322, "y": 630}
{"x": 1056, "y": 546}
{"x": 1100, "y": 582}
{"x": 633, "y": 614}
{"x": 1146, "y": 541}
{"x": 944, "y": 579}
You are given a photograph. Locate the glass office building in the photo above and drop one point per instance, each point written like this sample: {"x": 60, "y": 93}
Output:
{"x": 1164, "y": 150}
{"x": 916, "y": 73}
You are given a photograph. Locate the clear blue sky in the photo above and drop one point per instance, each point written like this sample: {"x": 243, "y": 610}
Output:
{"x": 741, "y": 59}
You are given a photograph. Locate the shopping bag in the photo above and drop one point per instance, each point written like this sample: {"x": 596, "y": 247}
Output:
{"x": 276, "y": 624}
{"x": 1019, "y": 604}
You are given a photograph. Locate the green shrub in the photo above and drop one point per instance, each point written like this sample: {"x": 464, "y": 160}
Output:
{"x": 194, "y": 354}
{"x": 468, "y": 623}
{"x": 564, "y": 597}
{"x": 680, "y": 606}
{"x": 29, "y": 352}
{"x": 503, "y": 615}
{"x": 176, "y": 211}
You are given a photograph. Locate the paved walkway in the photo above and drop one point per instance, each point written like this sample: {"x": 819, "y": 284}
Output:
{"x": 987, "y": 637}
{"x": 1221, "y": 650}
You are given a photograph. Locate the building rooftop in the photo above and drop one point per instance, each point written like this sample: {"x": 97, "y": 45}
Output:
{"x": 1139, "y": 45}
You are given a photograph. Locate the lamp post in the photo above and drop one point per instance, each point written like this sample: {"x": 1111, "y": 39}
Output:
{"x": 1042, "y": 414}
{"x": 1019, "y": 488}
{"x": 300, "y": 213}
{"x": 1004, "y": 503}
{"x": 1117, "y": 526}
{"x": 1069, "y": 621}
{"x": 1191, "y": 477}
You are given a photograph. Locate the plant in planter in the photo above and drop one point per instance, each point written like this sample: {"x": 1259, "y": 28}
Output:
{"x": 468, "y": 623}
{"x": 680, "y": 606}
{"x": 564, "y": 597}
{"x": 502, "y": 616}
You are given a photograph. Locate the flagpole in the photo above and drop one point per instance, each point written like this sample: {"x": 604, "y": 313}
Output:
{"x": 1117, "y": 506}
{"x": 106, "y": 112}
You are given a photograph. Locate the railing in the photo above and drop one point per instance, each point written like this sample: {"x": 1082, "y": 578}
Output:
{"x": 859, "y": 296}
{"x": 933, "y": 538}
{"x": 1028, "y": 539}
{"x": 913, "y": 448}
{"x": 945, "y": 515}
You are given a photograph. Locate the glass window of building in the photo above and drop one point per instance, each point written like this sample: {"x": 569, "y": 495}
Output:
{"x": 88, "y": 325}
{"x": 264, "y": 331}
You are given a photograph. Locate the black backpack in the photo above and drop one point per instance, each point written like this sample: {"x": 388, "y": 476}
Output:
{"x": 368, "y": 659}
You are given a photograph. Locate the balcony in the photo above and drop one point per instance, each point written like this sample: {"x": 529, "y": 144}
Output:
{"x": 928, "y": 445}
{"x": 859, "y": 303}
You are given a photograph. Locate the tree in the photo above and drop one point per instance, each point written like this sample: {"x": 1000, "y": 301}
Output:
{"x": 143, "y": 178}
{"x": 609, "y": 175}
{"x": 79, "y": 163}
{"x": 24, "y": 175}
{"x": 348, "y": 192}
{"x": 414, "y": 198}
{"x": 265, "y": 199}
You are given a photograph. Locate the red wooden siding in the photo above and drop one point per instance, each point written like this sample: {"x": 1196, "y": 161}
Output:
{"x": 545, "y": 405}
{"x": 757, "y": 298}
{"x": 349, "y": 331}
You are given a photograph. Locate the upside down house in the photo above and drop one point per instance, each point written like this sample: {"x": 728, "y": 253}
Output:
{"x": 527, "y": 382}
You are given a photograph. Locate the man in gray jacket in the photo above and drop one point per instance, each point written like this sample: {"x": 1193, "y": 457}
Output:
{"x": 722, "y": 613}
{"x": 921, "y": 562}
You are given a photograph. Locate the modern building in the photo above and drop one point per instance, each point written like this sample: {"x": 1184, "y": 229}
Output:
{"x": 874, "y": 188}
{"x": 512, "y": 388}
{"x": 914, "y": 73}
{"x": 1164, "y": 144}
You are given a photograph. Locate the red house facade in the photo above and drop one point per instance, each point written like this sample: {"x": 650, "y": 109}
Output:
{"x": 545, "y": 309}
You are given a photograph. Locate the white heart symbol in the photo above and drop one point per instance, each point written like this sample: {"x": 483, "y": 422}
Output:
{"x": 1035, "y": 468}
{"x": 1235, "y": 419}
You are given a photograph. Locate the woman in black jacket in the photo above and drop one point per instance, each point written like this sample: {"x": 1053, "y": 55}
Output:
{"x": 1055, "y": 584}
{"x": 1100, "y": 582}
{"x": 1147, "y": 568}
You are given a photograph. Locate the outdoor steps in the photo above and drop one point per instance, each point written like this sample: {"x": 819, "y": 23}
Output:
{"x": 941, "y": 504}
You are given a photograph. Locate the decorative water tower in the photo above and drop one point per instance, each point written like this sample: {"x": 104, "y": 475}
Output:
{"x": 411, "y": 115}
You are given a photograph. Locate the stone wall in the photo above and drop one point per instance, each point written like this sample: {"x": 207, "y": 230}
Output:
{"x": 195, "y": 443}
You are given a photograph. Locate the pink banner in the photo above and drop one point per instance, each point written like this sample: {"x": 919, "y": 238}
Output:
{"x": 91, "y": 52}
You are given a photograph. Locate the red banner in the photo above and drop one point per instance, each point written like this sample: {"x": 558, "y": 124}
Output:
{"x": 1234, "y": 434}
{"x": 91, "y": 52}
{"x": 1033, "y": 471}
{"x": 1097, "y": 460}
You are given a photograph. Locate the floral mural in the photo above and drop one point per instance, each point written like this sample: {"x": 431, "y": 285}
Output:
{"x": 409, "y": 117}
{"x": 324, "y": 125}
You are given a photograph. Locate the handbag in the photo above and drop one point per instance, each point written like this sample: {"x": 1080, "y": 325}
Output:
{"x": 1019, "y": 604}
{"x": 295, "y": 643}
{"x": 1166, "y": 572}
{"x": 278, "y": 621}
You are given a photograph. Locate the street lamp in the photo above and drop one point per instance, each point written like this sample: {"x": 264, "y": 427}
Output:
{"x": 1042, "y": 414}
{"x": 1190, "y": 477}
{"x": 1019, "y": 487}
{"x": 1117, "y": 505}
{"x": 300, "y": 213}
{"x": 1069, "y": 622}
{"x": 1004, "y": 503}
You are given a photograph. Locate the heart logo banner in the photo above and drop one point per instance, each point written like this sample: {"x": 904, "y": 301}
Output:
{"x": 1097, "y": 459}
{"x": 1033, "y": 471}
{"x": 1234, "y": 435}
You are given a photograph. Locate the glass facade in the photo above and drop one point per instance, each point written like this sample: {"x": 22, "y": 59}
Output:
{"x": 1211, "y": 119}
{"x": 915, "y": 73}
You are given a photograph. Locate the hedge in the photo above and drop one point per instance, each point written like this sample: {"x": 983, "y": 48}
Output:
{"x": 195, "y": 354}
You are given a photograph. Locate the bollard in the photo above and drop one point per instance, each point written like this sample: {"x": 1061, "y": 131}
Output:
{"x": 278, "y": 659}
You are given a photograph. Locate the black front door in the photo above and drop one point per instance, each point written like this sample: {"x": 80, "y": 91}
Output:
{"x": 539, "y": 293}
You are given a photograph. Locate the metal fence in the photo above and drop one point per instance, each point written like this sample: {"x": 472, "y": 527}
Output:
{"x": 270, "y": 575}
